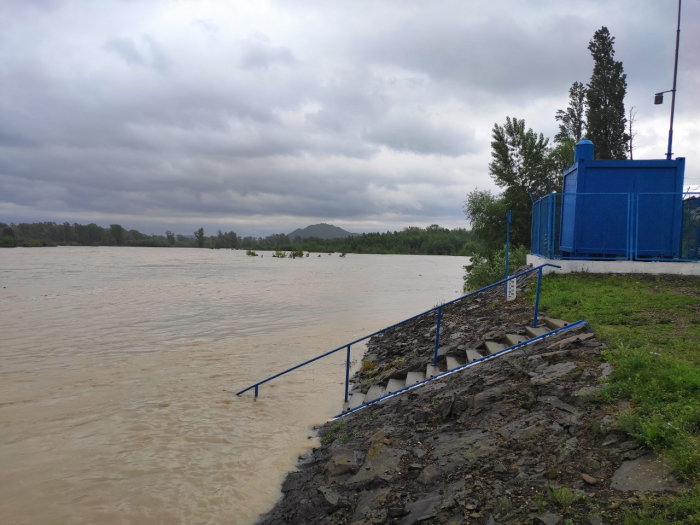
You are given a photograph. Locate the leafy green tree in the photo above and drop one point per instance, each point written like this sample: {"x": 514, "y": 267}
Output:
{"x": 170, "y": 236}
{"x": 199, "y": 236}
{"x": 572, "y": 124}
{"x": 520, "y": 157}
{"x": 562, "y": 157}
{"x": 605, "y": 99}
{"x": 487, "y": 214}
{"x": 67, "y": 233}
{"x": 117, "y": 233}
{"x": 8, "y": 238}
{"x": 522, "y": 164}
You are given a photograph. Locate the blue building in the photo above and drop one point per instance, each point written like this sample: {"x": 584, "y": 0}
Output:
{"x": 616, "y": 209}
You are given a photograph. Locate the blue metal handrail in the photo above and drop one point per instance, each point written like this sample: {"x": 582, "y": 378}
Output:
{"x": 437, "y": 331}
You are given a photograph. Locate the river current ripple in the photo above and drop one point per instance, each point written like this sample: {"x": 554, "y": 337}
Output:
{"x": 118, "y": 367}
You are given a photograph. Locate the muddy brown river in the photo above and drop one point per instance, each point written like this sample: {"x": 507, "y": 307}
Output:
{"x": 118, "y": 367}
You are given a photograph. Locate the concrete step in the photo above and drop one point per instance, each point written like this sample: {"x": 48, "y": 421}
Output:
{"x": 472, "y": 355}
{"x": 514, "y": 339}
{"x": 374, "y": 392}
{"x": 414, "y": 377}
{"x": 432, "y": 371}
{"x": 492, "y": 347}
{"x": 355, "y": 400}
{"x": 394, "y": 385}
{"x": 536, "y": 332}
{"x": 443, "y": 350}
{"x": 555, "y": 323}
{"x": 454, "y": 362}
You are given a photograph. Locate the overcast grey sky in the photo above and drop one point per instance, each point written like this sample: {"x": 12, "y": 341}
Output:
{"x": 265, "y": 116}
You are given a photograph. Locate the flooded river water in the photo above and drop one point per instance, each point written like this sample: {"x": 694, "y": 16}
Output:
{"x": 118, "y": 367}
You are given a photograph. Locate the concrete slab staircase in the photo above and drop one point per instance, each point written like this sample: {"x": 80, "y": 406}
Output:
{"x": 448, "y": 360}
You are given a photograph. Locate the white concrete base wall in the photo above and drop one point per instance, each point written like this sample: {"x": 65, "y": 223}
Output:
{"x": 652, "y": 267}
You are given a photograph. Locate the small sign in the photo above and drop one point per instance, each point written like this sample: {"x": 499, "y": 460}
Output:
{"x": 512, "y": 290}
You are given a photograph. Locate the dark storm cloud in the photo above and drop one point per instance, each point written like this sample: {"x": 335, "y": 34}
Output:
{"x": 369, "y": 113}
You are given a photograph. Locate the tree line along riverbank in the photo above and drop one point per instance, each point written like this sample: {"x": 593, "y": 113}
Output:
{"x": 433, "y": 240}
{"x": 551, "y": 434}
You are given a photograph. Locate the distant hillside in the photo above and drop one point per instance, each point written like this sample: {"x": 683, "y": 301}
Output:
{"x": 320, "y": 231}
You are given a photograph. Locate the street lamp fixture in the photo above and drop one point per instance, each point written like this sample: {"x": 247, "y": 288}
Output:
{"x": 659, "y": 97}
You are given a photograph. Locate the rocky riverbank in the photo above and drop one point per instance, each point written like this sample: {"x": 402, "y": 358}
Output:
{"x": 524, "y": 438}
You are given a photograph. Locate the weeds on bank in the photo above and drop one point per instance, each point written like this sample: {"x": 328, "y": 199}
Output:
{"x": 681, "y": 510}
{"x": 330, "y": 435}
{"x": 344, "y": 439}
{"x": 562, "y": 496}
{"x": 334, "y": 432}
{"x": 652, "y": 324}
{"x": 369, "y": 365}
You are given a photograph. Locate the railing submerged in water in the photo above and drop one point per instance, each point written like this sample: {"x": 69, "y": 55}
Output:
{"x": 437, "y": 330}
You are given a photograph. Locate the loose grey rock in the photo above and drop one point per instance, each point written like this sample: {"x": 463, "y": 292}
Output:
{"x": 381, "y": 461}
{"x": 332, "y": 497}
{"x": 343, "y": 461}
{"x": 547, "y": 519}
{"x": 428, "y": 474}
{"x": 595, "y": 519}
{"x": 590, "y": 466}
{"x": 369, "y": 500}
{"x": 424, "y": 508}
{"x": 558, "y": 403}
{"x": 647, "y": 473}
{"x": 488, "y": 396}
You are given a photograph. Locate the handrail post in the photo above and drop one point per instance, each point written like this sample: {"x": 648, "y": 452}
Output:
{"x": 437, "y": 336}
{"x": 537, "y": 298}
{"x": 256, "y": 391}
{"x": 507, "y": 248}
{"x": 347, "y": 374}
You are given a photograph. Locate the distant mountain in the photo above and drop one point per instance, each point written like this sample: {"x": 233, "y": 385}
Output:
{"x": 321, "y": 231}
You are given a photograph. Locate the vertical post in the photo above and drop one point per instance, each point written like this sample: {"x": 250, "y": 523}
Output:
{"x": 550, "y": 223}
{"x": 537, "y": 298}
{"x": 507, "y": 247}
{"x": 673, "y": 91}
{"x": 347, "y": 374}
{"x": 256, "y": 391}
{"x": 635, "y": 218}
{"x": 630, "y": 254}
{"x": 437, "y": 336}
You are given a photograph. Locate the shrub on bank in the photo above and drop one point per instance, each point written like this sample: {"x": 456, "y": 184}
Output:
{"x": 484, "y": 271}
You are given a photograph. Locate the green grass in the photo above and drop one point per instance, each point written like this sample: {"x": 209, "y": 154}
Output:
{"x": 652, "y": 324}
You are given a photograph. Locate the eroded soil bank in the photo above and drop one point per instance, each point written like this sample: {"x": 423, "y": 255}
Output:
{"x": 523, "y": 438}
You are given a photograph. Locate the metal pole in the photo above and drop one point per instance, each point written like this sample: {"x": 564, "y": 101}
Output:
{"x": 673, "y": 91}
{"x": 507, "y": 247}
{"x": 347, "y": 374}
{"x": 437, "y": 336}
{"x": 256, "y": 391}
{"x": 537, "y": 299}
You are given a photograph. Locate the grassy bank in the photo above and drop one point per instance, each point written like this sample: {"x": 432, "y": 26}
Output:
{"x": 653, "y": 326}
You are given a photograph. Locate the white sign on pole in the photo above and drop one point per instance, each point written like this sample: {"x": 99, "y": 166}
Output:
{"x": 512, "y": 290}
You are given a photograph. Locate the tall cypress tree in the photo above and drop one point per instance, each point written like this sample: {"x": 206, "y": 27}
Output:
{"x": 572, "y": 125}
{"x": 606, "y": 99}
